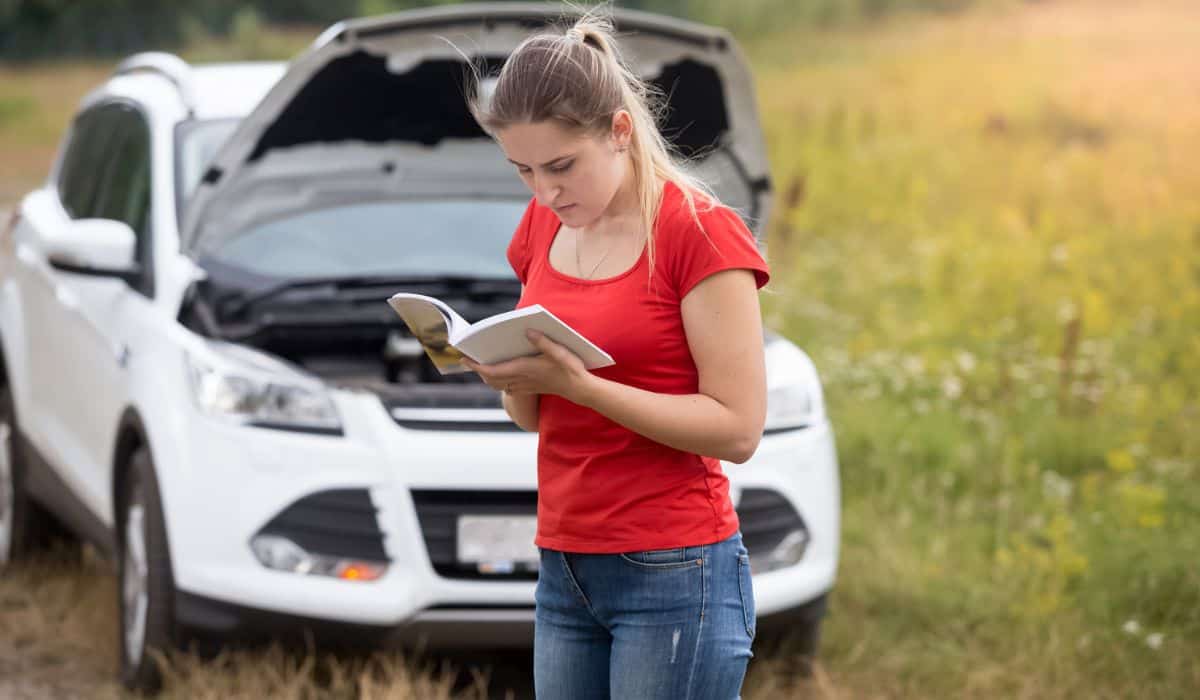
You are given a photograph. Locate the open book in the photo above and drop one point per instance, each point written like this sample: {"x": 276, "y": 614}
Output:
{"x": 446, "y": 336}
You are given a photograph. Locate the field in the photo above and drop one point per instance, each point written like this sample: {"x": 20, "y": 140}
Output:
{"x": 988, "y": 237}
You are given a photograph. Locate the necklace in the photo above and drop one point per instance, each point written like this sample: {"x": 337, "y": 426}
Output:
{"x": 579, "y": 264}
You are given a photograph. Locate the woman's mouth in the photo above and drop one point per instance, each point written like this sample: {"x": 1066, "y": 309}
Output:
{"x": 564, "y": 208}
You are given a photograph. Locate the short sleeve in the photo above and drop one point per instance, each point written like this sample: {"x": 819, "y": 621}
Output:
{"x": 725, "y": 243}
{"x": 520, "y": 247}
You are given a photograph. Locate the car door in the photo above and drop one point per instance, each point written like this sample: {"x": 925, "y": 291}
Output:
{"x": 103, "y": 316}
{"x": 47, "y": 301}
{"x": 75, "y": 338}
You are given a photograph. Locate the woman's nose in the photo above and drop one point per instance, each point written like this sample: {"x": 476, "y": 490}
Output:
{"x": 545, "y": 191}
{"x": 548, "y": 196}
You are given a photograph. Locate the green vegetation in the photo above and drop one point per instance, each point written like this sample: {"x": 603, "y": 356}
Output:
{"x": 988, "y": 239}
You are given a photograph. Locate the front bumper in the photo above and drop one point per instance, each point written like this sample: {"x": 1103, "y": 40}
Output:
{"x": 231, "y": 481}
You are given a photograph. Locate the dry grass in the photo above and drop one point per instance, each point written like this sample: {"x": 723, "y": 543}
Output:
{"x": 58, "y": 639}
{"x": 58, "y": 630}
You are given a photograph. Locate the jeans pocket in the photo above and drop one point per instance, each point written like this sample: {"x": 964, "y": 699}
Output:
{"x": 659, "y": 558}
{"x": 746, "y": 586}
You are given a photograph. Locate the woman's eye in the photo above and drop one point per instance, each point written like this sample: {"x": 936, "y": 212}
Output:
{"x": 562, "y": 168}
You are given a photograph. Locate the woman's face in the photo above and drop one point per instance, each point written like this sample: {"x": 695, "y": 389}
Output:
{"x": 576, "y": 175}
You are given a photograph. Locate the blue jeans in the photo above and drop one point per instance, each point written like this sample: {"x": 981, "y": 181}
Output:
{"x": 674, "y": 624}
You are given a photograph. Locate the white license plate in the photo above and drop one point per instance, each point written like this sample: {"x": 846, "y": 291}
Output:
{"x": 497, "y": 543}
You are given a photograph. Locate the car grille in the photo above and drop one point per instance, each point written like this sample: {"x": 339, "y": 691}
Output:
{"x": 448, "y": 407}
{"x": 340, "y": 523}
{"x": 766, "y": 518}
{"x": 438, "y": 513}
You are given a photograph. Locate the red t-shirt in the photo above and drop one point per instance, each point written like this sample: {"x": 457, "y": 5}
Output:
{"x": 602, "y": 487}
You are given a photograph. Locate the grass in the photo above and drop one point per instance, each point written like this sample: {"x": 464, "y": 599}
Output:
{"x": 983, "y": 241}
{"x": 987, "y": 236}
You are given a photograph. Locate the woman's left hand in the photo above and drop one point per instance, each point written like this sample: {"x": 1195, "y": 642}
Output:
{"x": 556, "y": 370}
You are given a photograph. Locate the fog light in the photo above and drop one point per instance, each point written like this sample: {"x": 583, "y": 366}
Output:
{"x": 787, "y": 553}
{"x": 282, "y": 554}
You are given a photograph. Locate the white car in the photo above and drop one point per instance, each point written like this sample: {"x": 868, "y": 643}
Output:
{"x": 201, "y": 375}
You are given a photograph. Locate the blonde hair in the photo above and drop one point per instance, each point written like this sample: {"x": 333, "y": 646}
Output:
{"x": 577, "y": 78}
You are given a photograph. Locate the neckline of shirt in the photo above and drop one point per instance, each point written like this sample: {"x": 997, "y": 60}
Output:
{"x": 582, "y": 280}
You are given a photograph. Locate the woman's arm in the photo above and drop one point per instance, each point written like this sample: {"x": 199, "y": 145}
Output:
{"x": 523, "y": 409}
{"x": 724, "y": 419}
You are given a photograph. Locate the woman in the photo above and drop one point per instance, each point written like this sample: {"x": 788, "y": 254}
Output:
{"x": 644, "y": 587}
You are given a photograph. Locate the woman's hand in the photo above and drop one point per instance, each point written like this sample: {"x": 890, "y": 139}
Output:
{"x": 556, "y": 370}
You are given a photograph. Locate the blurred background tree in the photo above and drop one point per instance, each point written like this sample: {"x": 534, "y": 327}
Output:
{"x": 40, "y": 29}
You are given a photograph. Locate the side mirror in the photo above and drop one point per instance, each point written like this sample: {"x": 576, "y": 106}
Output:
{"x": 99, "y": 247}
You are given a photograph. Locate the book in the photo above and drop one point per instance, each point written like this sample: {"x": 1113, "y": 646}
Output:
{"x": 447, "y": 336}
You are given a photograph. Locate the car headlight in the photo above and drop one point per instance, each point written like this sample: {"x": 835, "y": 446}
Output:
{"x": 249, "y": 388}
{"x": 788, "y": 406}
{"x": 794, "y": 398}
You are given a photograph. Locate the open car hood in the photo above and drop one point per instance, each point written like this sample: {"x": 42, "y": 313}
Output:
{"x": 374, "y": 109}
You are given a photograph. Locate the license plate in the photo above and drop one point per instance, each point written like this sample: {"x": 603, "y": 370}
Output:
{"x": 497, "y": 544}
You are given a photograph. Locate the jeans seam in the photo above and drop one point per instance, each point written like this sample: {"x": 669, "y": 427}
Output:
{"x": 706, "y": 555}
{"x": 579, "y": 590}
{"x": 748, "y": 620}
{"x": 663, "y": 566}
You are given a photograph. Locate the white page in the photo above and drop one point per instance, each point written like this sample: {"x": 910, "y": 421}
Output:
{"x": 502, "y": 337}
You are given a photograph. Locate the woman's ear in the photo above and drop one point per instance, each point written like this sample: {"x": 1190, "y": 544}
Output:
{"x": 622, "y": 130}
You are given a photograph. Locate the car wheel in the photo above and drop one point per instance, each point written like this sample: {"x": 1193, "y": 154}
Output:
{"x": 145, "y": 589}
{"x": 24, "y": 526}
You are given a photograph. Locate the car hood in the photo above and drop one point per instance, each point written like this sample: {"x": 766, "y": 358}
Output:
{"x": 375, "y": 109}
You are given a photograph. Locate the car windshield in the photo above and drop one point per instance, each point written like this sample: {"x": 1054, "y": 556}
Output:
{"x": 445, "y": 237}
{"x": 197, "y": 142}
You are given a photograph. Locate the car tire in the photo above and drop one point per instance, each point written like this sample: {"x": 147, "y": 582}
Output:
{"x": 25, "y": 528}
{"x": 145, "y": 584}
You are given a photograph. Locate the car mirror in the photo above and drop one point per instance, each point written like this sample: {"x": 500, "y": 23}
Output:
{"x": 102, "y": 247}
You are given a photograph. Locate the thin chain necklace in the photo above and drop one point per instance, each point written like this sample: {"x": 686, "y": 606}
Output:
{"x": 579, "y": 264}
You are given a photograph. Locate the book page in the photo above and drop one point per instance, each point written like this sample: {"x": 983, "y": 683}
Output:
{"x": 431, "y": 322}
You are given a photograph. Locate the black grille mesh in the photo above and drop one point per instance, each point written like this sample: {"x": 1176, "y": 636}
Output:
{"x": 340, "y": 523}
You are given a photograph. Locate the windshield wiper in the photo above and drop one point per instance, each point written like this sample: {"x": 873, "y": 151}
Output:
{"x": 335, "y": 285}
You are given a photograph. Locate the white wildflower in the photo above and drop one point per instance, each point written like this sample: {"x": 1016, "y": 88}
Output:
{"x": 952, "y": 387}
{"x": 1154, "y": 641}
{"x": 966, "y": 361}
{"x": 1055, "y": 486}
{"x": 1132, "y": 627}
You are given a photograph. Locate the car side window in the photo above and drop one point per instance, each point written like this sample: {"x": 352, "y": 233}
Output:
{"x": 83, "y": 163}
{"x": 124, "y": 193}
{"x": 124, "y": 185}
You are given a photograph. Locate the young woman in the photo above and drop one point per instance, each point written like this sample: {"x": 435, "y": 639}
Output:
{"x": 644, "y": 587}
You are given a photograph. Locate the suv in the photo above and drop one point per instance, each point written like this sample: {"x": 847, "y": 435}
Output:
{"x": 201, "y": 377}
